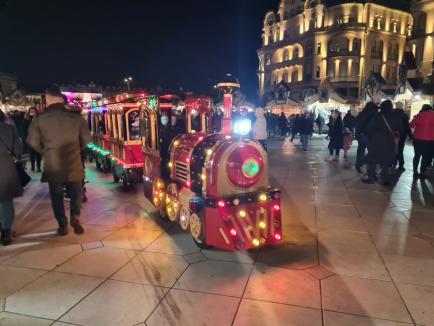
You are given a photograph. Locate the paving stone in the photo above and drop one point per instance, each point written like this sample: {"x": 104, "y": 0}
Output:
{"x": 92, "y": 245}
{"x": 153, "y": 269}
{"x": 116, "y": 303}
{"x": 217, "y": 277}
{"x": 195, "y": 258}
{"x": 272, "y": 284}
{"x": 10, "y": 319}
{"x": 14, "y": 278}
{"x": 320, "y": 272}
{"x": 419, "y": 300}
{"x": 371, "y": 298}
{"x": 411, "y": 270}
{"x": 185, "y": 308}
{"x": 51, "y": 295}
{"x": 339, "y": 319}
{"x": 101, "y": 262}
{"x": 259, "y": 313}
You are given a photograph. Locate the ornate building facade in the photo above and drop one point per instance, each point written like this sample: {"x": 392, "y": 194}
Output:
{"x": 308, "y": 42}
{"x": 421, "y": 40}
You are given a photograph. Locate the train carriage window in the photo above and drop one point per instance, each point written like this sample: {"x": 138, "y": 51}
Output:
{"x": 119, "y": 124}
{"x": 114, "y": 125}
{"x": 108, "y": 123}
{"x": 133, "y": 124}
{"x": 195, "y": 120}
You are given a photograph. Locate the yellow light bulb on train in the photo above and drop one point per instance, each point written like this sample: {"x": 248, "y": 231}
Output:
{"x": 262, "y": 225}
{"x": 255, "y": 242}
{"x": 209, "y": 152}
{"x": 242, "y": 213}
{"x": 263, "y": 197}
{"x": 170, "y": 165}
{"x": 202, "y": 176}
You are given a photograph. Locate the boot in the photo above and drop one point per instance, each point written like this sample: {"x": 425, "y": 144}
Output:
{"x": 76, "y": 225}
{"x": 6, "y": 238}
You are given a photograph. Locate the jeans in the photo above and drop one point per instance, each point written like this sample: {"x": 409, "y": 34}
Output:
{"x": 304, "y": 141}
{"x": 56, "y": 193}
{"x": 362, "y": 145}
{"x": 7, "y": 214}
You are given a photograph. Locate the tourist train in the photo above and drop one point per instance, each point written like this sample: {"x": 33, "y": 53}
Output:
{"x": 215, "y": 185}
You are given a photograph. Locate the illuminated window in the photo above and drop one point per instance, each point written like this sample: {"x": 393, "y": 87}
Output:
{"x": 318, "y": 48}
{"x": 317, "y": 72}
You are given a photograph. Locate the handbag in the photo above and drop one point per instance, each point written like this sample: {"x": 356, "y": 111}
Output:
{"x": 22, "y": 174}
{"x": 394, "y": 134}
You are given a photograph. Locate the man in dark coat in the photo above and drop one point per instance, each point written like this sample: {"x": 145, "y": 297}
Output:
{"x": 60, "y": 136}
{"x": 295, "y": 126}
{"x": 283, "y": 124}
{"x": 350, "y": 121}
{"x": 383, "y": 135}
{"x": 305, "y": 126}
{"x": 362, "y": 121}
{"x": 320, "y": 122}
{"x": 10, "y": 186}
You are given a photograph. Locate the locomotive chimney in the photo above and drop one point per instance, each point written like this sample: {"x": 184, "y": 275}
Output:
{"x": 227, "y": 87}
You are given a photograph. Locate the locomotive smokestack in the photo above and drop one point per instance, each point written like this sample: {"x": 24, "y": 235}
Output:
{"x": 227, "y": 87}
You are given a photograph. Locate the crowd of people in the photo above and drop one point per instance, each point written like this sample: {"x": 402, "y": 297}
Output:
{"x": 381, "y": 132}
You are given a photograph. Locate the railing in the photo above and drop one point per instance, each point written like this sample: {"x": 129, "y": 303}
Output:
{"x": 343, "y": 52}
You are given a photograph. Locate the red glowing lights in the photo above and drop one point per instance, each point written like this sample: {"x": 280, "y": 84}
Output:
{"x": 233, "y": 232}
{"x": 276, "y": 208}
{"x": 221, "y": 203}
{"x": 278, "y": 236}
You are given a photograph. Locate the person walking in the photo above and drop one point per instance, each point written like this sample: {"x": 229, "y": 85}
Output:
{"x": 405, "y": 132}
{"x": 383, "y": 135}
{"x": 362, "y": 122}
{"x": 423, "y": 140}
{"x": 283, "y": 124}
{"x": 60, "y": 136}
{"x": 259, "y": 128}
{"x": 305, "y": 125}
{"x": 320, "y": 123}
{"x": 10, "y": 185}
{"x": 35, "y": 157}
{"x": 336, "y": 134}
{"x": 295, "y": 126}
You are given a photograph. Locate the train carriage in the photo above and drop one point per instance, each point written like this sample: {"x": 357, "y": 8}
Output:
{"x": 100, "y": 146}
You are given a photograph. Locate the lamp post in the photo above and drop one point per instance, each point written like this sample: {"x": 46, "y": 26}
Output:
{"x": 127, "y": 81}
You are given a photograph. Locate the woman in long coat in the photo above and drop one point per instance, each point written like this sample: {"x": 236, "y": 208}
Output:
{"x": 336, "y": 135}
{"x": 10, "y": 186}
{"x": 383, "y": 135}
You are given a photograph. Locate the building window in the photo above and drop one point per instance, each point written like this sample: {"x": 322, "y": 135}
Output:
{"x": 309, "y": 49}
{"x": 318, "y": 48}
{"x": 295, "y": 53}
{"x": 339, "y": 20}
{"x": 393, "y": 51}
{"x": 308, "y": 72}
{"x": 355, "y": 66}
{"x": 377, "y": 49}
{"x": 318, "y": 72}
{"x": 356, "y": 45}
{"x": 286, "y": 55}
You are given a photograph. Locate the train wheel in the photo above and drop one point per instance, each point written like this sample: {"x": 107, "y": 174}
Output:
{"x": 197, "y": 230}
{"x": 184, "y": 218}
{"x": 172, "y": 204}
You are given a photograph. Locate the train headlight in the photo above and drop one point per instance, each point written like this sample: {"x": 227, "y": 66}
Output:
{"x": 242, "y": 127}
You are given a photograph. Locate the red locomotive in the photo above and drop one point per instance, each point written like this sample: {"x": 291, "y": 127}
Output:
{"x": 215, "y": 185}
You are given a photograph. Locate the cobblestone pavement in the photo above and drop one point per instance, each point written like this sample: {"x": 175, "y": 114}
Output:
{"x": 354, "y": 254}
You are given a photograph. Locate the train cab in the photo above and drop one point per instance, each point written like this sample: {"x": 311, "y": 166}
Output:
{"x": 162, "y": 120}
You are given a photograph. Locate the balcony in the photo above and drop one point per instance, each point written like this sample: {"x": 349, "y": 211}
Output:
{"x": 346, "y": 79}
{"x": 343, "y": 53}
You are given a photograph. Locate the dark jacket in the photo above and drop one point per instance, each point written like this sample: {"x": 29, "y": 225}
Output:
{"x": 305, "y": 125}
{"x": 381, "y": 144}
{"x": 365, "y": 117}
{"x": 60, "y": 136}
{"x": 349, "y": 121}
{"x": 405, "y": 121}
{"x": 10, "y": 186}
{"x": 336, "y": 134}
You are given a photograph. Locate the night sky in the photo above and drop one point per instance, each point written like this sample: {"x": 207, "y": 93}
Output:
{"x": 169, "y": 43}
